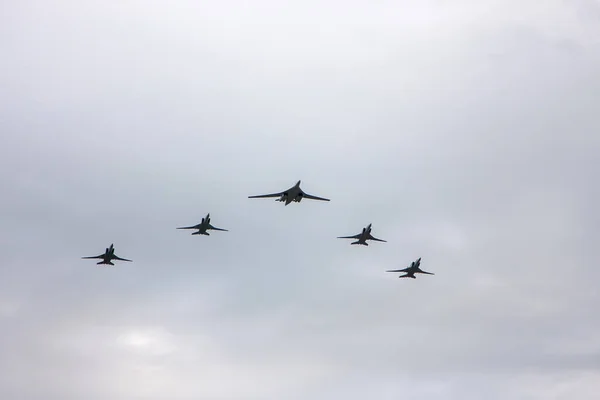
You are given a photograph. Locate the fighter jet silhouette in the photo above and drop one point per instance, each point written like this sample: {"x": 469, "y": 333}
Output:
{"x": 412, "y": 270}
{"x": 108, "y": 255}
{"x": 203, "y": 227}
{"x": 363, "y": 237}
{"x": 292, "y": 194}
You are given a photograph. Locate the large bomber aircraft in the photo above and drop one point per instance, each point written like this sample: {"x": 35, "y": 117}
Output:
{"x": 362, "y": 237}
{"x": 412, "y": 270}
{"x": 203, "y": 226}
{"x": 108, "y": 255}
{"x": 292, "y": 194}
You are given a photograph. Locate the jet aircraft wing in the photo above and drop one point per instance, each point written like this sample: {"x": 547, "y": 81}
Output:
{"x": 100, "y": 256}
{"x": 216, "y": 229}
{"x": 266, "y": 195}
{"x": 119, "y": 258}
{"x": 371, "y": 237}
{"x": 310, "y": 196}
{"x": 350, "y": 237}
{"x": 191, "y": 227}
{"x": 398, "y": 270}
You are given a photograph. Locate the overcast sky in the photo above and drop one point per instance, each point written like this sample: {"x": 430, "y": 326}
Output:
{"x": 466, "y": 132}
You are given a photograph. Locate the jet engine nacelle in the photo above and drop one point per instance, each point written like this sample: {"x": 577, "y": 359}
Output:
{"x": 283, "y": 197}
{"x": 298, "y": 198}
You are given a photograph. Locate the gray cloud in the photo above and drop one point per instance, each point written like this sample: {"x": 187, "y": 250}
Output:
{"x": 466, "y": 134}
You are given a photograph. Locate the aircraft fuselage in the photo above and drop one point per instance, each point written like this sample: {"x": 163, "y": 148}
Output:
{"x": 292, "y": 194}
{"x": 203, "y": 226}
{"x": 364, "y": 235}
{"x": 108, "y": 256}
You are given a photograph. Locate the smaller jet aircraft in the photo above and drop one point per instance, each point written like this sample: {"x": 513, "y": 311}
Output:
{"x": 108, "y": 256}
{"x": 203, "y": 226}
{"x": 412, "y": 270}
{"x": 363, "y": 237}
{"x": 292, "y": 194}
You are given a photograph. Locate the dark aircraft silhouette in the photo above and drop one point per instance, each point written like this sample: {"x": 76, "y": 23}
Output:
{"x": 412, "y": 270}
{"x": 203, "y": 227}
{"x": 363, "y": 237}
{"x": 108, "y": 255}
{"x": 292, "y": 194}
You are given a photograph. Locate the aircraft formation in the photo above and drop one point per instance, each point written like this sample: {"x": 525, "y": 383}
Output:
{"x": 293, "y": 194}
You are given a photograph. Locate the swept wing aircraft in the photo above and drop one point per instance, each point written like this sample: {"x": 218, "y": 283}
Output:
{"x": 412, "y": 270}
{"x": 203, "y": 226}
{"x": 292, "y": 194}
{"x": 108, "y": 256}
{"x": 363, "y": 237}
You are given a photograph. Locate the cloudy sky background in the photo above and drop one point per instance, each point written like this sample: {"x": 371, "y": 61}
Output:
{"x": 467, "y": 132}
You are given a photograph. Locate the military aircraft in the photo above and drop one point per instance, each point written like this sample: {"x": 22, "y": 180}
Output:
{"x": 108, "y": 256}
{"x": 292, "y": 194}
{"x": 363, "y": 237}
{"x": 412, "y": 270}
{"x": 203, "y": 226}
